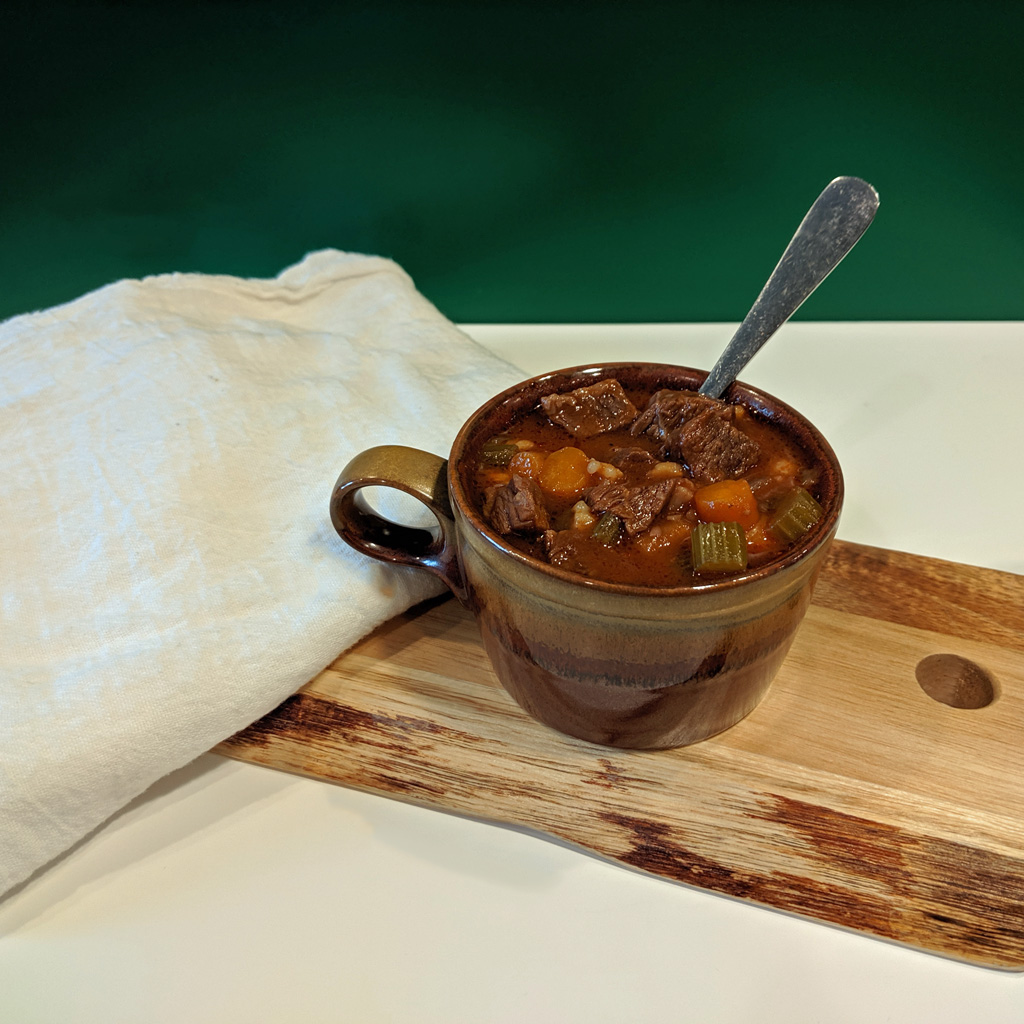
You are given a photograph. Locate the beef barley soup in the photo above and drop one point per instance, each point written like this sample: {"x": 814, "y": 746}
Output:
{"x": 661, "y": 489}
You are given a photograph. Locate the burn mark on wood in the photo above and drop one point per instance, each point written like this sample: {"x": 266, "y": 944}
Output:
{"x": 610, "y": 776}
{"x": 303, "y": 716}
{"x": 408, "y": 788}
{"x": 657, "y": 848}
{"x": 859, "y": 874}
{"x": 308, "y": 719}
{"x": 661, "y": 850}
{"x": 926, "y": 593}
{"x": 870, "y": 849}
{"x": 317, "y": 727}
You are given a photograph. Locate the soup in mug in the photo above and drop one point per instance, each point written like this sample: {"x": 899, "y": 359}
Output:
{"x": 662, "y": 489}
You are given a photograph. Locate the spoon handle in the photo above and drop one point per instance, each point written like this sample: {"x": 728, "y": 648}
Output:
{"x": 829, "y": 230}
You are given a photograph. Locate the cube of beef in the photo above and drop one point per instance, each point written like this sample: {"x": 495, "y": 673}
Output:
{"x": 516, "y": 507}
{"x": 592, "y": 410}
{"x": 639, "y": 458}
{"x": 666, "y": 411}
{"x": 637, "y": 507}
{"x": 699, "y": 431}
{"x": 714, "y": 449}
{"x": 563, "y": 549}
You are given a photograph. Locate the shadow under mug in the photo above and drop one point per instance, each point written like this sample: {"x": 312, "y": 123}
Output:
{"x": 624, "y": 666}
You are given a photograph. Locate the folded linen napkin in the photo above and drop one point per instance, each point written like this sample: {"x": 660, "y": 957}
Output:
{"x": 168, "y": 570}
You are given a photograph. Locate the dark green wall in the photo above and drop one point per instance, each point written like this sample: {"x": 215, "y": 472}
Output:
{"x": 524, "y": 161}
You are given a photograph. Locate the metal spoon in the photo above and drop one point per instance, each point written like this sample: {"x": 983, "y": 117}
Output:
{"x": 829, "y": 230}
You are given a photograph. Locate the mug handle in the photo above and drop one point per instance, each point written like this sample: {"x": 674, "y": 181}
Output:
{"x": 425, "y": 477}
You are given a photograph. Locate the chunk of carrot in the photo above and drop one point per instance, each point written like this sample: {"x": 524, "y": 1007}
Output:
{"x": 727, "y": 501}
{"x": 666, "y": 537}
{"x": 759, "y": 538}
{"x": 564, "y": 473}
{"x": 527, "y": 463}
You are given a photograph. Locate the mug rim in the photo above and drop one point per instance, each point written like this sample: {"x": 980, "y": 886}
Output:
{"x": 764, "y": 403}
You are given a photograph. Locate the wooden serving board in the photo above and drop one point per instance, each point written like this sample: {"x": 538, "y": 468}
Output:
{"x": 849, "y": 796}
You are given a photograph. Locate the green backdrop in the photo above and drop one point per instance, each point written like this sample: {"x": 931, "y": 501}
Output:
{"x": 526, "y": 162}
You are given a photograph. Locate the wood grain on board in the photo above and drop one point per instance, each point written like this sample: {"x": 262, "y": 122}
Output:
{"x": 849, "y": 796}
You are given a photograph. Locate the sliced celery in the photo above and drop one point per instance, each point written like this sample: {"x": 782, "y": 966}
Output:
{"x": 607, "y": 529}
{"x": 796, "y": 514}
{"x": 497, "y": 453}
{"x": 718, "y": 547}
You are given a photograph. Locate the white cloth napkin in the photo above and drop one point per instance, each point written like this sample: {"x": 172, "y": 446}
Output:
{"x": 168, "y": 570}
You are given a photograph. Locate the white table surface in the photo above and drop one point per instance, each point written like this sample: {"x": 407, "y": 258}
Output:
{"x": 234, "y": 893}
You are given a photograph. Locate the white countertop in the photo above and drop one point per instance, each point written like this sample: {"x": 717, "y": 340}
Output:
{"x": 234, "y": 893}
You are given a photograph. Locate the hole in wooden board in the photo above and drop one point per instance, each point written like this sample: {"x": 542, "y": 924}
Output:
{"x": 955, "y": 681}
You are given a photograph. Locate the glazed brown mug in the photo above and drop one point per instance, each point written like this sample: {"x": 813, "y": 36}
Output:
{"x": 621, "y": 665}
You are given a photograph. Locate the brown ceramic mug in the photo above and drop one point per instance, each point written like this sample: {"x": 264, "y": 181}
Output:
{"x": 625, "y": 666}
